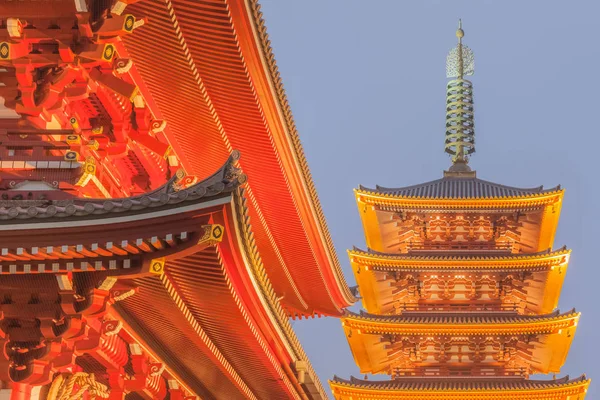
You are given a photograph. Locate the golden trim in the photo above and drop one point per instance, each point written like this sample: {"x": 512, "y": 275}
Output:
{"x": 212, "y": 235}
{"x": 518, "y": 262}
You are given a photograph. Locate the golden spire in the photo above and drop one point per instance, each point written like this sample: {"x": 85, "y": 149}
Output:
{"x": 460, "y": 129}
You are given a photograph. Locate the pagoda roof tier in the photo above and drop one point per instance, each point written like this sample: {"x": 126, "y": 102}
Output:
{"x": 465, "y": 388}
{"x": 204, "y": 304}
{"x": 535, "y": 280}
{"x": 450, "y": 261}
{"x": 215, "y": 73}
{"x": 532, "y": 216}
{"x": 468, "y": 323}
{"x": 392, "y": 201}
{"x": 545, "y": 338}
{"x": 450, "y": 187}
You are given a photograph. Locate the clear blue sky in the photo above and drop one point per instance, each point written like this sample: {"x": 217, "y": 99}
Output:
{"x": 366, "y": 82}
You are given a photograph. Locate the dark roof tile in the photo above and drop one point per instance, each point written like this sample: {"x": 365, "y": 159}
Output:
{"x": 460, "y": 188}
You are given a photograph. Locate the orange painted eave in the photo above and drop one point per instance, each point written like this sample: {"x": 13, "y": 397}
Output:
{"x": 249, "y": 25}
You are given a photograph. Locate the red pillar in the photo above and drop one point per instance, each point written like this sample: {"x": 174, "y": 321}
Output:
{"x": 20, "y": 391}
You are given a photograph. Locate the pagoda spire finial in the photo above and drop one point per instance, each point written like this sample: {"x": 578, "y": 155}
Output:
{"x": 460, "y": 128}
{"x": 460, "y": 34}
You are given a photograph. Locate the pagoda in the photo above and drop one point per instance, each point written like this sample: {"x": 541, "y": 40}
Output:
{"x": 159, "y": 225}
{"x": 460, "y": 281}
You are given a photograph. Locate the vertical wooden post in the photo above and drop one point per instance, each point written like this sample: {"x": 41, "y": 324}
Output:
{"x": 21, "y": 391}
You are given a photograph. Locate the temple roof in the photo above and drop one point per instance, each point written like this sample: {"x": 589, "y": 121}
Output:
{"x": 450, "y": 187}
{"x": 462, "y": 318}
{"x": 224, "y": 181}
{"x": 459, "y": 383}
{"x": 207, "y": 312}
{"x": 209, "y": 112}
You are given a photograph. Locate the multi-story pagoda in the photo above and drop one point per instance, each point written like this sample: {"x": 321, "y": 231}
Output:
{"x": 459, "y": 281}
{"x": 141, "y": 256}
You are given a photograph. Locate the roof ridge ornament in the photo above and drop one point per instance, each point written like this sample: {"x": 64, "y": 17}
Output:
{"x": 460, "y": 128}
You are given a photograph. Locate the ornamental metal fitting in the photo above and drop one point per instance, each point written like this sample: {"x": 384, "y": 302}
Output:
{"x": 212, "y": 234}
{"x": 157, "y": 266}
{"x": 460, "y": 127}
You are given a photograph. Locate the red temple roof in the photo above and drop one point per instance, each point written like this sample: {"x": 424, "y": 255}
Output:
{"x": 209, "y": 71}
{"x": 210, "y": 315}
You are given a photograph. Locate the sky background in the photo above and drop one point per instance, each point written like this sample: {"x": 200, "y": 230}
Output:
{"x": 366, "y": 82}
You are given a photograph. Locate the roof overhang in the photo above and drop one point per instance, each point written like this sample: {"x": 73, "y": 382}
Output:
{"x": 366, "y": 334}
{"x": 375, "y": 207}
{"x": 370, "y": 267}
{"x": 224, "y": 84}
{"x": 232, "y": 338}
{"x": 496, "y": 388}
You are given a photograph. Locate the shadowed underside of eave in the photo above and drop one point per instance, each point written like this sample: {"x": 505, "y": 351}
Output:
{"x": 213, "y": 349}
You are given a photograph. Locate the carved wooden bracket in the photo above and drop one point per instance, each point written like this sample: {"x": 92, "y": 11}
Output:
{"x": 42, "y": 337}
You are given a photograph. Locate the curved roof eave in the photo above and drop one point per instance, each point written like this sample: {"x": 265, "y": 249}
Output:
{"x": 276, "y": 81}
{"x": 476, "y": 320}
{"x": 437, "y": 256}
{"x": 246, "y": 109}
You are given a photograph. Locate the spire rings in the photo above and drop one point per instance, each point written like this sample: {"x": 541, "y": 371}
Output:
{"x": 460, "y": 127}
